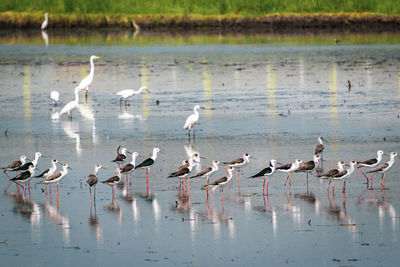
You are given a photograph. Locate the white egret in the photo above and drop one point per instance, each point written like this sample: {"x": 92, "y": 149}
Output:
{"x": 192, "y": 120}
{"x": 84, "y": 84}
{"x": 125, "y": 94}
{"x": 68, "y": 108}
{"x": 45, "y": 22}
{"x": 55, "y": 96}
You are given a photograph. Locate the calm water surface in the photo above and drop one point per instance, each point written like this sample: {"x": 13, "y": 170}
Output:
{"x": 268, "y": 95}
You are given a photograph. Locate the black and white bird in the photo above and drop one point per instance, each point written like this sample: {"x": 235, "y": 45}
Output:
{"x": 330, "y": 173}
{"x": 384, "y": 167}
{"x": 24, "y": 177}
{"x": 50, "y": 171}
{"x": 266, "y": 173}
{"x": 114, "y": 180}
{"x": 239, "y": 163}
{"x": 309, "y": 166}
{"x": 121, "y": 155}
{"x": 343, "y": 175}
{"x": 207, "y": 172}
{"x": 15, "y": 164}
{"x": 320, "y": 146}
{"x": 370, "y": 163}
{"x": 220, "y": 183}
{"x": 130, "y": 167}
{"x": 92, "y": 180}
{"x": 146, "y": 164}
{"x": 34, "y": 162}
{"x": 56, "y": 177}
{"x": 289, "y": 168}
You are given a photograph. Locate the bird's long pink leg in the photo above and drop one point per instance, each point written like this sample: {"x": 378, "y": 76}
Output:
{"x": 263, "y": 187}
{"x": 8, "y": 186}
{"x": 147, "y": 181}
{"x": 363, "y": 174}
{"x": 7, "y": 175}
{"x": 267, "y": 186}
{"x": 327, "y": 188}
{"x": 371, "y": 180}
{"x": 211, "y": 193}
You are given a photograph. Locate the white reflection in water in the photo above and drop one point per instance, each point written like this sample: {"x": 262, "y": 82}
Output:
{"x": 45, "y": 37}
{"x": 274, "y": 220}
{"x": 156, "y": 210}
{"x": 135, "y": 211}
{"x": 193, "y": 222}
{"x": 247, "y": 206}
{"x": 56, "y": 218}
{"x": 114, "y": 207}
{"x": 190, "y": 150}
{"x": 71, "y": 129}
{"x": 95, "y": 225}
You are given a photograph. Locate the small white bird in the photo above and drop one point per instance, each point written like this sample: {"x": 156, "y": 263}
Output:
{"x": 45, "y": 22}
{"x": 192, "y": 120}
{"x": 69, "y": 107}
{"x": 85, "y": 83}
{"x": 125, "y": 94}
{"x": 55, "y": 96}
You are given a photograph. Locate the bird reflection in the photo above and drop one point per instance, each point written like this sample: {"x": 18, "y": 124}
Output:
{"x": 190, "y": 151}
{"x": 385, "y": 209}
{"x": 71, "y": 129}
{"x": 45, "y": 37}
{"x": 94, "y": 224}
{"x": 114, "y": 207}
{"x": 25, "y": 207}
{"x": 53, "y": 213}
{"x": 126, "y": 115}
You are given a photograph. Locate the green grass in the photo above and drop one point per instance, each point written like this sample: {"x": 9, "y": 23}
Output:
{"x": 201, "y": 7}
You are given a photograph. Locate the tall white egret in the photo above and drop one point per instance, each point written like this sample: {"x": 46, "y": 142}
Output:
{"x": 55, "y": 96}
{"x": 69, "y": 107}
{"x": 45, "y": 22}
{"x": 85, "y": 83}
{"x": 125, "y": 94}
{"x": 192, "y": 120}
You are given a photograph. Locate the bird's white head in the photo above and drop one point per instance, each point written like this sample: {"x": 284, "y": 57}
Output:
{"x": 22, "y": 158}
{"x": 379, "y": 153}
{"x": 196, "y": 108}
{"x": 54, "y": 161}
{"x": 144, "y": 88}
{"x": 94, "y": 57}
{"x": 155, "y": 151}
{"x": 340, "y": 165}
{"x": 316, "y": 158}
{"x": 65, "y": 166}
{"x": 272, "y": 163}
{"x": 215, "y": 162}
{"x": 393, "y": 155}
{"x": 246, "y": 156}
{"x": 123, "y": 151}
{"x": 38, "y": 155}
{"x": 135, "y": 155}
{"x": 196, "y": 158}
{"x": 31, "y": 167}
{"x": 298, "y": 162}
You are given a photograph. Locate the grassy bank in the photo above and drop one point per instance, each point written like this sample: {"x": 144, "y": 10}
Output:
{"x": 267, "y": 23}
{"x": 201, "y": 7}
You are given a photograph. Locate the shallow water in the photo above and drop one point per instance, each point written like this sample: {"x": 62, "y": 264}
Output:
{"x": 270, "y": 99}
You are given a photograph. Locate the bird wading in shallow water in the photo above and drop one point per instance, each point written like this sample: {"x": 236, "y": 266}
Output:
{"x": 92, "y": 180}
{"x": 371, "y": 163}
{"x": 192, "y": 120}
{"x": 265, "y": 173}
{"x": 384, "y": 167}
{"x": 146, "y": 164}
{"x": 85, "y": 83}
{"x": 127, "y": 93}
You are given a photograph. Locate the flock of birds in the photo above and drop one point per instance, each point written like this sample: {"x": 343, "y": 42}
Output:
{"x": 26, "y": 170}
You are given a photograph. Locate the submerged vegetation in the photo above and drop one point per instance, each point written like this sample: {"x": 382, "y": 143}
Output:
{"x": 201, "y": 7}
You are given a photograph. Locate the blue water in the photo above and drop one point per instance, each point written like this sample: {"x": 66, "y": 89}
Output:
{"x": 262, "y": 99}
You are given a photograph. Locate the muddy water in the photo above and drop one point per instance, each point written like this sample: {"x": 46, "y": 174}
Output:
{"x": 269, "y": 99}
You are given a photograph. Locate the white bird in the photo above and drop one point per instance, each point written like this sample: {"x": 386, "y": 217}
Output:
{"x": 45, "y": 22}
{"x": 55, "y": 96}
{"x": 125, "y": 94}
{"x": 69, "y": 107}
{"x": 85, "y": 83}
{"x": 192, "y": 120}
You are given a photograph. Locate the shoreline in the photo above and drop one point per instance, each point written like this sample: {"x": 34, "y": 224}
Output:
{"x": 354, "y": 22}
